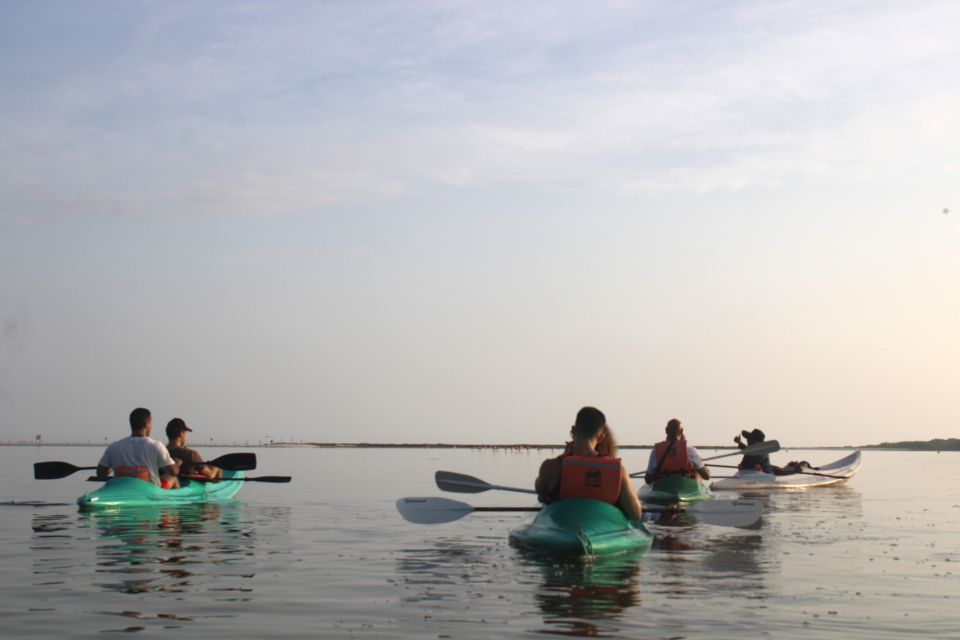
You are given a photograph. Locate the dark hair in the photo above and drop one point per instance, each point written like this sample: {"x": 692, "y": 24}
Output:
{"x": 138, "y": 419}
{"x": 674, "y": 428}
{"x": 590, "y": 422}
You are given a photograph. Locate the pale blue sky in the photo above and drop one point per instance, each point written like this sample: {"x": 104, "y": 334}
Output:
{"x": 435, "y": 221}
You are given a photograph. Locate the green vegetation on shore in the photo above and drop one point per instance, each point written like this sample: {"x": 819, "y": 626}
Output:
{"x": 937, "y": 444}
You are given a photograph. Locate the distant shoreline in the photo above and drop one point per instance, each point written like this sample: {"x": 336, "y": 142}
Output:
{"x": 918, "y": 446}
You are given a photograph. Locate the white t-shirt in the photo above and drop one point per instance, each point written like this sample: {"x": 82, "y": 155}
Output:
{"x": 138, "y": 451}
{"x": 692, "y": 455}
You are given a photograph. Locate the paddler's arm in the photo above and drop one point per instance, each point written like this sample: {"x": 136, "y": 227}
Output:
{"x": 704, "y": 472}
{"x": 103, "y": 472}
{"x": 628, "y": 502}
{"x": 548, "y": 480}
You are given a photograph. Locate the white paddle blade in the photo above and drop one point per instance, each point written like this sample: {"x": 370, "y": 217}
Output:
{"x": 727, "y": 513}
{"x": 432, "y": 510}
{"x": 460, "y": 483}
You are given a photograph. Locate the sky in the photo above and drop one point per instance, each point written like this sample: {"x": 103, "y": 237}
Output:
{"x": 462, "y": 221}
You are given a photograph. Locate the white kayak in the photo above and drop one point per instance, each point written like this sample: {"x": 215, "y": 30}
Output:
{"x": 832, "y": 473}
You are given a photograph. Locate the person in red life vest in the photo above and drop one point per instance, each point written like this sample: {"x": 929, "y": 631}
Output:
{"x": 189, "y": 462}
{"x": 675, "y": 457}
{"x": 582, "y": 471}
{"x": 140, "y": 456}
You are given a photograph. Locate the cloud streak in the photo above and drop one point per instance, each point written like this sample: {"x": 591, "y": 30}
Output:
{"x": 266, "y": 109}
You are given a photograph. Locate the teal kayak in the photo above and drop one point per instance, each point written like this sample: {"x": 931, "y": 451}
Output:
{"x": 133, "y": 492}
{"x": 674, "y": 491}
{"x": 582, "y": 528}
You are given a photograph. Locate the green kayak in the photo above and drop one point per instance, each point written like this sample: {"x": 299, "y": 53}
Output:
{"x": 674, "y": 491}
{"x": 582, "y": 528}
{"x": 133, "y": 492}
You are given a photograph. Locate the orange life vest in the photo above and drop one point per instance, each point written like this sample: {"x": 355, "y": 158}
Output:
{"x": 676, "y": 462}
{"x": 590, "y": 477}
{"x": 123, "y": 471}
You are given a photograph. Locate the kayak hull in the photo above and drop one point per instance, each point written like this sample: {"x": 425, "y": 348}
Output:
{"x": 675, "y": 491}
{"x": 843, "y": 469}
{"x": 132, "y": 492}
{"x": 581, "y": 528}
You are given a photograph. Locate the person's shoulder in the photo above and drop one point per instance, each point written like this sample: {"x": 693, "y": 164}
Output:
{"x": 194, "y": 454}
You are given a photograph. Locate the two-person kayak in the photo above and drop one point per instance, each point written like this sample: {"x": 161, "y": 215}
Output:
{"x": 133, "y": 492}
{"x": 828, "y": 474}
{"x": 677, "y": 490}
{"x": 582, "y": 529}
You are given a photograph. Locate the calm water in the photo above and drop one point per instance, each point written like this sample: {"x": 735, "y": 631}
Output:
{"x": 328, "y": 556}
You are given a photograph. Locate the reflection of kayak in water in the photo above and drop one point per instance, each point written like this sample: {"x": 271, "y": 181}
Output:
{"x": 832, "y": 473}
{"x": 675, "y": 491}
{"x": 582, "y": 528}
{"x": 133, "y": 492}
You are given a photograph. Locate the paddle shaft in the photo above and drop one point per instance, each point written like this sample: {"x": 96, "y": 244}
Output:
{"x": 733, "y": 513}
{"x": 274, "y": 479}
{"x": 809, "y": 473}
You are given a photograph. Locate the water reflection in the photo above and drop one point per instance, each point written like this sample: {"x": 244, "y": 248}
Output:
{"x": 207, "y": 550}
{"x": 171, "y": 549}
{"x": 586, "y": 599}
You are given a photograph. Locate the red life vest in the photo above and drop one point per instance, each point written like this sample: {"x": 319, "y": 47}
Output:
{"x": 123, "y": 471}
{"x": 676, "y": 462}
{"x": 590, "y": 477}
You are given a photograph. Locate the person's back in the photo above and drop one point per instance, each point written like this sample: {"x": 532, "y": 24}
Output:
{"x": 675, "y": 457}
{"x": 582, "y": 472}
{"x": 139, "y": 455}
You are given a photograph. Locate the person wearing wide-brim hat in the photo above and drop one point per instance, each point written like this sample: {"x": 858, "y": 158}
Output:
{"x": 753, "y": 462}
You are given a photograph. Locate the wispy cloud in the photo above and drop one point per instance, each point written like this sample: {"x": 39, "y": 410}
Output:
{"x": 258, "y": 108}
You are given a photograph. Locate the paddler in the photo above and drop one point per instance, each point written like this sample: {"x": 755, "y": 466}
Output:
{"x": 675, "y": 457}
{"x": 762, "y": 463}
{"x": 582, "y": 471}
{"x": 189, "y": 462}
{"x": 139, "y": 456}
{"x": 754, "y": 463}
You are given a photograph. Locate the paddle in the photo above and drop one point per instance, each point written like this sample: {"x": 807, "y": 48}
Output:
{"x": 462, "y": 483}
{"x": 727, "y": 513}
{"x": 809, "y": 473}
{"x": 275, "y": 479}
{"x": 229, "y": 461}
{"x": 759, "y": 449}
{"x": 714, "y": 510}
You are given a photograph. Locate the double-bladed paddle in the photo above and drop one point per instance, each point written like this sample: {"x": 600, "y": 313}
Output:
{"x": 274, "y": 479}
{"x": 229, "y": 462}
{"x": 809, "y": 473}
{"x": 725, "y": 513}
{"x": 730, "y": 513}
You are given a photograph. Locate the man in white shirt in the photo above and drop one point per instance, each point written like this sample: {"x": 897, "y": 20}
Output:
{"x": 140, "y": 456}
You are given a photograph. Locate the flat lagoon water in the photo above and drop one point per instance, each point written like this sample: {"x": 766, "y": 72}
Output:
{"x": 329, "y": 556}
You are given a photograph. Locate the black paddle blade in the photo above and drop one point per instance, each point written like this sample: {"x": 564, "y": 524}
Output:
{"x": 55, "y": 470}
{"x": 235, "y": 462}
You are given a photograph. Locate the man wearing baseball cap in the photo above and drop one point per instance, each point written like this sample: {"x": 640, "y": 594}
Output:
{"x": 190, "y": 462}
